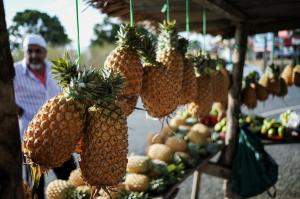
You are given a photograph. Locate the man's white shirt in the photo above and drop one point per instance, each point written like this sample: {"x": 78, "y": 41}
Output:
{"x": 31, "y": 93}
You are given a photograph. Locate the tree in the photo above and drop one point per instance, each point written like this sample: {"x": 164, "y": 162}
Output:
{"x": 10, "y": 142}
{"x": 107, "y": 31}
{"x": 33, "y": 21}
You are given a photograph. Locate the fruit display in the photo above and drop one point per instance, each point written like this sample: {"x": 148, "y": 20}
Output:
{"x": 296, "y": 75}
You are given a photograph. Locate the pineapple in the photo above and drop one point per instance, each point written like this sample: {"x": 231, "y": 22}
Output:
{"x": 287, "y": 75}
{"x": 261, "y": 92}
{"x": 104, "y": 153}
{"x": 283, "y": 88}
{"x": 220, "y": 84}
{"x": 125, "y": 60}
{"x": 296, "y": 75}
{"x": 160, "y": 152}
{"x": 60, "y": 121}
{"x": 249, "y": 96}
{"x": 274, "y": 82}
{"x": 114, "y": 193}
{"x": 76, "y": 178}
{"x": 158, "y": 95}
{"x": 169, "y": 56}
{"x": 127, "y": 104}
{"x": 138, "y": 164}
{"x": 153, "y": 138}
{"x": 27, "y": 191}
{"x": 136, "y": 182}
{"x": 189, "y": 84}
{"x": 176, "y": 144}
{"x": 176, "y": 122}
{"x": 203, "y": 130}
{"x": 59, "y": 189}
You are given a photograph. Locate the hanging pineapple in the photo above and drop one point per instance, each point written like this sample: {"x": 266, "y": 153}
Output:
{"x": 125, "y": 60}
{"x": 260, "y": 91}
{"x": 249, "y": 96}
{"x": 189, "y": 84}
{"x": 274, "y": 82}
{"x": 104, "y": 152}
{"x": 204, "y": 100}
{"x": 53, "y": 133}
{"x": 158, "y": 94}
{"x": 296, "y": 75}
{"x": 168, "y": 54}
{"x": 283, "y": 88}
{"x": 287, "y": 75}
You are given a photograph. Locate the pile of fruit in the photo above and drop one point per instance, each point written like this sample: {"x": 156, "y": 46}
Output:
{"x": 266, "y": 128}
{"x": 177, "y": 148}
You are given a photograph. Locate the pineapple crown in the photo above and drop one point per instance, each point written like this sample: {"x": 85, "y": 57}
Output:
{"x": 273, "y": 70}
{"x": 96, "y": 86}
{"x": 200, "y": 62}
{"x": 252, "y": 77}
{"x": 147, "y": 49}
{"x": 128, "y": 37}
{"x": 168, "y": 37}
{"x": 64, "y": 70}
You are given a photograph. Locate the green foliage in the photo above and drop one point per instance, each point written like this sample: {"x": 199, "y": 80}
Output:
{"x": 33, "y": 21}
{"x": 135, "y": 195}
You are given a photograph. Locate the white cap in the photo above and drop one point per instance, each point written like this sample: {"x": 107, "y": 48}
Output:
{"x": 34, "y": 39}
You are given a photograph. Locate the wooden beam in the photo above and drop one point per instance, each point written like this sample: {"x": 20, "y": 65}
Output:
{"x": 234, "y": 101}
{"x": 196, "y": 184}
{"x": 223, "y": 8}
{"x": 11, "y": 182}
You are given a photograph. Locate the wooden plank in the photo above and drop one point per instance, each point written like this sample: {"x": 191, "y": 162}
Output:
{"x": 196, "y": 185}
{"x": 222, "y": 7}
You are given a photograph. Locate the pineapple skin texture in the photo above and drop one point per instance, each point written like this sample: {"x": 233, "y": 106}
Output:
{"x": 220, "y": 86}
{"x": 76, "y": 178}
{"x": 104, "y": 155}
{"x": 127, "y": 103}
{"x": 160, "y": 152}
{"x": 176, "y": 144}
{"x": 138, "y": 164}
{"x": 59, "y": 189}
{"x": 127, "y": 63}
{"x": 53, "y": 133}
{"x": 137, "y": 182}
{"x": 189, "y": 83}
{"x": 158, "y": 94}
{"x": 173, "y": 62}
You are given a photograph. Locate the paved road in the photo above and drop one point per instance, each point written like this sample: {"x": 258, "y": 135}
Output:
{"x": 288, "y": 156}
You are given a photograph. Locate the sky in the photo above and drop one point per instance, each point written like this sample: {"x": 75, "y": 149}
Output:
{"x": 65, "y": 10}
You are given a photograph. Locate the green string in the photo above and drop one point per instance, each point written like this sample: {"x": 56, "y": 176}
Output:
{"x": 168, "y": 11}
{"x": 131, "y": 14}
{"x": 78, "y": 37}
{"x": 204, "y": 27}
{"x": 187, "y": 16}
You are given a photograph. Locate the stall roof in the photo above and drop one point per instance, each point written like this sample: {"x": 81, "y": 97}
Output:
{"x": 222, "y": 15}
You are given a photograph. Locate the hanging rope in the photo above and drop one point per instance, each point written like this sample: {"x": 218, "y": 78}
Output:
{"x": 168, "y": 11}
{"x": 131, "y": 15}
{"x": 187, "y": 16}
{"x": 204, "y": 27}
{"x": 78, "y": 36}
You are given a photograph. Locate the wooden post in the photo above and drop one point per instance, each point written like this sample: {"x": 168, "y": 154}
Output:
{"x": 234, "y": 101}
{"x": 196, "y": 185}
{"x": 10, "y": 143}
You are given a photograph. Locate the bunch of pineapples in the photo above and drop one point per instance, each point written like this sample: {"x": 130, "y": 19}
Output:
{"x": 87, "y": 112}
{"x": 291, "y": 75}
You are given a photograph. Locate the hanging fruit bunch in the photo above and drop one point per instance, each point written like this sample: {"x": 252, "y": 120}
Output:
{"x": 168, "y": 55}
{"x": 61, "y": 120}
{"x": 158, "y": 94}
{"x": 204, "y": 100}
{"x": 125, "y": 60}
{"x": 261, "y": 91}
{"x": 189, "y": 84}
{"x": 220, "y": 81}
{"x": 105, "y": 143}
{"x": 296, "y": 75}
{"x": 249, "y": 97}
{"x": 287, "y": 75}
{"x": 271, "y": 80}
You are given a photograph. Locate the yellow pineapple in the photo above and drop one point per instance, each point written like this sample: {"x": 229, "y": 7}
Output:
{"x": 53, "y": 133}
{"x": 104, "y": 153}
{"x": 158, "y": 94}
{"x": 136, "y": 182}
{"x": 160, "y": 152}
{"x": 287, "y": 75}
{"x": 76, "y": 178}
{"x": 125, "y": 60}
{"x": 169, "y": 55}
{"x": 59, "y": 189}
{"x": 188, "y": 91}
{"x": 138, "y": 164}
{"x": 220, "y": 81}
{"x": 296, "y": 75}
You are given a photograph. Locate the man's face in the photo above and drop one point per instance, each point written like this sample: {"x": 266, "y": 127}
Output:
{"x": 35, "y": 56}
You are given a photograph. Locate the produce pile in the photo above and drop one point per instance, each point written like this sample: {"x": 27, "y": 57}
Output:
{"x": 170, "y": 154}
{"x": 284, "y": 129}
